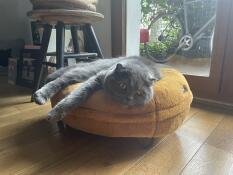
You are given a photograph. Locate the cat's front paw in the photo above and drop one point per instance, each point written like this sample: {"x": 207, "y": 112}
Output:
{"x": 55, "y": 115}
{"x": 40, "y": 98}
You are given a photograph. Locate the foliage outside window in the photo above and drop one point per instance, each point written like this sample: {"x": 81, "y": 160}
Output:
{"x": 198, "y": 13}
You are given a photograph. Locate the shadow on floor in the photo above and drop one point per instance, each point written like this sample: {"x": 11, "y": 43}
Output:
{"x": 39, "y": 145}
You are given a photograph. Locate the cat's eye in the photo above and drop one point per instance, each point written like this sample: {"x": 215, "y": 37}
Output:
{"x": 122, "y": 86}
{"x": 139, "y": 93}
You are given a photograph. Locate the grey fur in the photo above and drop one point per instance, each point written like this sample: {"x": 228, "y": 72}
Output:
{"x": 128, "y": 80}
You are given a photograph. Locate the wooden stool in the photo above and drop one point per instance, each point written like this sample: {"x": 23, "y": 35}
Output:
{"x": 60, "y": 19}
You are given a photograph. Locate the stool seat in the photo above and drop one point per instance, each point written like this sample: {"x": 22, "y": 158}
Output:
{"x": 52, "y": 16}
{"x": 67, "y": 4}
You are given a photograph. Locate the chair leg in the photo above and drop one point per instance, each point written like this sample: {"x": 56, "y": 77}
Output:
{"x": 74, "y": 35}
{"x": 44, "y": 47}
{"x": 91, "y": 41}
{"x": 60, "y": 44}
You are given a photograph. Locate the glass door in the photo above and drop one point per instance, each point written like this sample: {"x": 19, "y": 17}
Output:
{"x": 181, "y": 33}
{"x": 189, "y": 35}
{"x": 193, "y": 36}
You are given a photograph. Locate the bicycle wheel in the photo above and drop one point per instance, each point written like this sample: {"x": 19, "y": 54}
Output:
{"x": 165, "y": 33}
{"x": 202, "y": 47}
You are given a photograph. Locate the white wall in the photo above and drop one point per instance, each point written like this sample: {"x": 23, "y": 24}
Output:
{"x": 132, "y": 27}
{"x": 14, "y": 22}
{"x": 52, "y": 42}
{"x": 103, "y": 28}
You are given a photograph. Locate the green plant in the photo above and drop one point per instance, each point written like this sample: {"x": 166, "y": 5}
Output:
{"x": 152, "y": 8}
{"x": 198, "y": 13}
{"x": 156, "y": 49}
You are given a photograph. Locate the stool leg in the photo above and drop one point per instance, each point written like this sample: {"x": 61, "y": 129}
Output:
{"x": 91, "y": 41}
{"x": 60, "y": 48}
{"x": 74, "y": 35}
{"x": 44, "y": 47}
{"x": 61, "y": 125}
{"x": 60, "y": 44}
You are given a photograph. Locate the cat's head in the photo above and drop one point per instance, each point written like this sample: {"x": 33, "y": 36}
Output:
{"x": 129, "y": 85}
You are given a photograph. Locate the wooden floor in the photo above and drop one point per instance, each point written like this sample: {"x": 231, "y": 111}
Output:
{"x": 31, "y": 145}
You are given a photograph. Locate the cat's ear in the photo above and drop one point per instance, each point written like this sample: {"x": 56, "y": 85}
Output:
{"x": 155, "y": 77}
{"x": 152, "y": 79}
{"x": 119, "y": 67}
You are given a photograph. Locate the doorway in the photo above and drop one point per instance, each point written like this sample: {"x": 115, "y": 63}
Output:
{"x": 189, "y": 35}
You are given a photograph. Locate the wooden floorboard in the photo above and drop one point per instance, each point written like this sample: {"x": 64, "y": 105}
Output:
{"x": 210, "y": 161}
{"x": 29, "y": 144}
{"x": 222, "y": 137}
{"x": 175, "y": 152}
{"x": 110, "y": 156}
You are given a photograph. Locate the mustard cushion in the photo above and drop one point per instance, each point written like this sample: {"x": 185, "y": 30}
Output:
{"x": 162, "y": 115}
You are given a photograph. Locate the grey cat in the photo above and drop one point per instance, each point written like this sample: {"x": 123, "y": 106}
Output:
{"x": 127, "y": 80}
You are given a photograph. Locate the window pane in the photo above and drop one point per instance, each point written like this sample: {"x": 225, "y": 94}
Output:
{"x": 179, "y": 33}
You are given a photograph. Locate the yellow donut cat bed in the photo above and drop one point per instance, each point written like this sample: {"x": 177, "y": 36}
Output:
{"x": 162, "y": 115}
